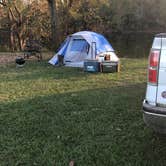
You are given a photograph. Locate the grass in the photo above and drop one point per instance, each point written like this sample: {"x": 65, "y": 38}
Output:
{"x": 50, "y": 116}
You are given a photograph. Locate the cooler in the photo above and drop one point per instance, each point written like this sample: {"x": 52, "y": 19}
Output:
{"x": 109, "y": 67}
{"x": 91, "y": 66}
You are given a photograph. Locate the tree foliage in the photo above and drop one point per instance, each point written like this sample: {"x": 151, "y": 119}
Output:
{"x": 51, "y": 20}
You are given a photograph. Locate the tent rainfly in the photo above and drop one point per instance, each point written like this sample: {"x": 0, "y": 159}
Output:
{"x": 83, "y": 45}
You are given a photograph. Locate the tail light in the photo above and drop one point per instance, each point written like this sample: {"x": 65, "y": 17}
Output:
{"x": 153, "y": 66}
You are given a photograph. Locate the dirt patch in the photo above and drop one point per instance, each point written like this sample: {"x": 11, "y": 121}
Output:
{"x": 4, "y": 59}
{"x": 8, "y": 57}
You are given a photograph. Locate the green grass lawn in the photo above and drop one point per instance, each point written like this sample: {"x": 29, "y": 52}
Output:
{"x": 50, "y": 116}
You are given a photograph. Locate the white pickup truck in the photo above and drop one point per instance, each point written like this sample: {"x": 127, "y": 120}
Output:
{"x": 154, "y": 105}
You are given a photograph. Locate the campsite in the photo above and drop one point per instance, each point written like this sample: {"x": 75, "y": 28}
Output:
{"x": 73, "y": 77}
{"x": 82, "y": 46}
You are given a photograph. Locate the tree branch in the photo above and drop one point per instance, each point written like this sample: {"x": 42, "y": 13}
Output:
{"x": 3, "y": 2}
{"x": 12, "y": 15}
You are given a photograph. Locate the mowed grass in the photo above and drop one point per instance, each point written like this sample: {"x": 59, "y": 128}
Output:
{"x": 50, "y": 116}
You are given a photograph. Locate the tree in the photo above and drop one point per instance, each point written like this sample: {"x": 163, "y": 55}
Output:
{"x": 16, "y": 23}
{"x": 52, "y": 7}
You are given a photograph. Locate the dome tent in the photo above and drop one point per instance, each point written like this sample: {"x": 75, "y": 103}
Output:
{"x": 80, "y": 46}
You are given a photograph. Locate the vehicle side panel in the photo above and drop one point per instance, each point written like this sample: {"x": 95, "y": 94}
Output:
{"x": 151, "y": 94}
{"x": 162, "y": 78}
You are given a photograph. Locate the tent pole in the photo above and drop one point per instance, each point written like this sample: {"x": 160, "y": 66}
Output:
{"x": 93, "y": 50}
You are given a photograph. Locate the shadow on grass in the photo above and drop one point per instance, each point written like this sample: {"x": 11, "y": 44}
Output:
{"x": 93, "y": 127}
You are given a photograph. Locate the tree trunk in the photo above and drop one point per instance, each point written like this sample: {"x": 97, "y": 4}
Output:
{"x": 19, "y": 41}
{"x": 12, "y": 41}
{"x": 52, "y": 7}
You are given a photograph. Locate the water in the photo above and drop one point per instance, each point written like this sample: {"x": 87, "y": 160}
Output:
{"x": 132, "y": 45}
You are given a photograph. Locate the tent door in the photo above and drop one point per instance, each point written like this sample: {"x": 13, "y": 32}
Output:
{"x": 77, "y": 51}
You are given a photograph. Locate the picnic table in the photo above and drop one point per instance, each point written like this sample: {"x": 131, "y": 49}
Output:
{"x": 32, "y": 48}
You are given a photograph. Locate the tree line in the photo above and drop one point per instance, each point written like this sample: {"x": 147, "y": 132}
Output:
{"x": 50, "y": 21}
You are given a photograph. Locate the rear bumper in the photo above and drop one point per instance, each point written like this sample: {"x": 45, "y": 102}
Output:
{"x": 154, "y": 109}
{"x": 155, "y": 117}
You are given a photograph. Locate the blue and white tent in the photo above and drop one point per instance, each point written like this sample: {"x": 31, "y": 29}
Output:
{"x": 83, "y": 45}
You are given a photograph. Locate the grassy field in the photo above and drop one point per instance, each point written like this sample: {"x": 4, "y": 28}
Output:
{"x": 50, "y": 116}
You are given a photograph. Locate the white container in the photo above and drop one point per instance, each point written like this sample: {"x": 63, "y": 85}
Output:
{"x": 101, "y": 58}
